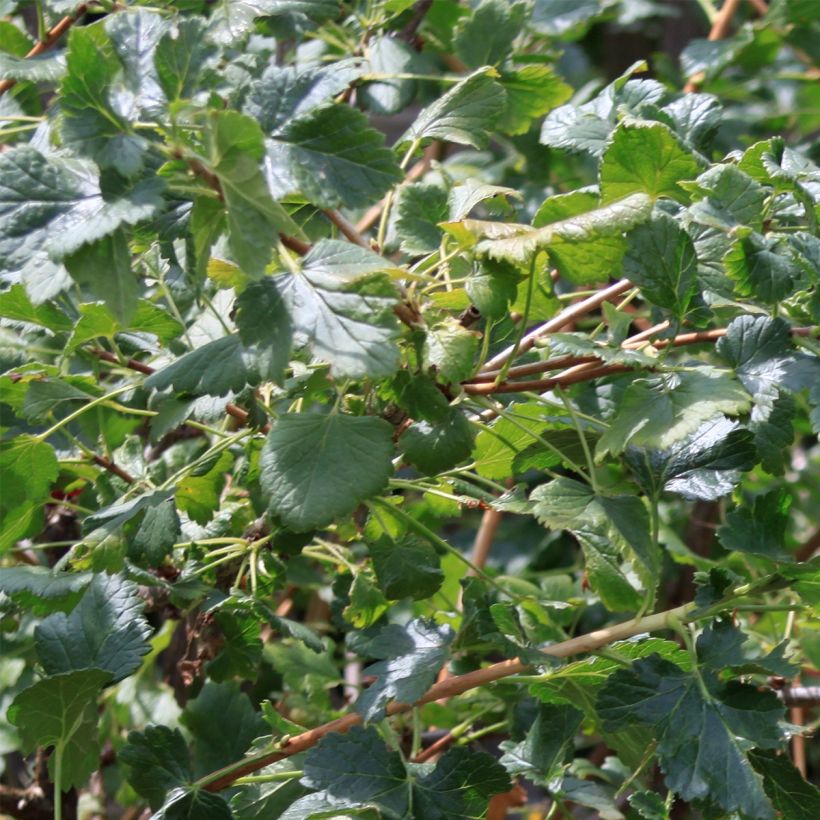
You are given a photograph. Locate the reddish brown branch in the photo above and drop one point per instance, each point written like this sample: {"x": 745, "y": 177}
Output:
{"x": 440, "y": 745}
{"x": 109, "y": 465}
{"x": 448, "y": 688}
{"x": 720, "y": 28}
{"x": 51, "y": 38}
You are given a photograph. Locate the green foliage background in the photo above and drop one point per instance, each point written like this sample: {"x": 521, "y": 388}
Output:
{"x": 343, "y": 343}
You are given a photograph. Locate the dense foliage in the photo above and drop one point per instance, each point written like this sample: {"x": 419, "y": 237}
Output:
{"x": 352, "y": 351}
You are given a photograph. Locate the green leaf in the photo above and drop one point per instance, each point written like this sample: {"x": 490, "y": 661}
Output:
{"x": 758, "y": 267}
{"x": 464, "y": 115}
{"x": 760, "y": 528}
{"x": 760, "y": 350}
{"x": 343, "y": 303}
{"x": 727, "y": 197}
{"x": 61, "y": 711}
{"x": 531, "y": 92}
{"x": 316, "y": 469}
{"x": 567, "y": 18}
{"x": 263, "y": 801}
{"x": 771, "y": 423}
{"x": 28, "y": 467}
{"x": 604, "y": 525}
{"x": 451, "y": 349}
{"x": 235, "y": 149}
{"x": 16, "y": 305}
{"x": 194, "y": 804}
{"x": 790, "y": 794}
{"x": 575, "y": 238}
{"x": 492, "y": 288}
{"x": 702, "y": 726}
{"x": 703, "y": 465}
{"x": 41, "y": 589}
{"x": 486, "y": 36}
{"x": 180, "y": 56}
{"x": 159, "y": 530}
{"x": 419, "y": 210}
{"x": 649, "y": 805}
{"x": 546, "y": 745}
{"x": 389, "y": 95}
{"x": 411, "y": 658}
{"x": 104, "y": 267}
{"x": 406, "y": 568}
{"x": 433, "y": 448}
{"x": 645, "y": 157}
{"x": 156, "y": 761}
{"x": 90, "y": 123}
{"x": 721, "y": 645}
{"x": 660, "y": 410}
{"x": 52, "y": 207}
{"x": 218, "y": 367}
{"x": 661, "y": 261}
{"x": 355, "y": 768}
{"x": 213, "y": 747}
{"x": 333, "y": 157}
{"x": 284, "y": 93}
{"x": 589, "y": 258}
{"x": 262, "y": 318}
{"x": 198, "y": 494}
{"x": 304, "y": 670}
{"x": 106, "y": 630}
{"x": 44, "y": 68}
{"x": 241, "y": 648}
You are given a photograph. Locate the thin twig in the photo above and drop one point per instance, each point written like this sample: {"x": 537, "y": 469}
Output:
{"x": 109, "y": 465}
{"x": 484, "y": 538}
{"x": 582, "y": 373}
{"x": 373, "y": 214}
{"x": 720, "y": 28}
{"x": 452, "y": 686}
{"x": 760, "y": 6}
{"x": 50, "y": 40}
{"x": 346, "y": 228}
{"x": 567, "y": 315}
{"x": 444, "y": 742}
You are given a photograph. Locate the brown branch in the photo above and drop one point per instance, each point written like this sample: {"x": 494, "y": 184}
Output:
{"x": 452, "y": 686}
{"x": 444, "y": 742}
{"x": 420, "y": 10}
{"x": 346, "y": 228}
{"x": 371, "y": 215}
{"x": 760, "y": 6}
{"x": 109, "y": 465}
{"x": 484, "y": 538}
{"x": 564, "y": 380}
{"x": 294, "y": 244}
{"x": 807, "y": 550}
{"x": 699, "y": 337}
{"x": 567, "y": 315}
{"x": 50, "y": 40}
{"x": 720, "y": 28}
{"x": 232, "y": 410}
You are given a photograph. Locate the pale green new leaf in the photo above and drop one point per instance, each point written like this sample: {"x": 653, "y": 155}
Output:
{"x": 646, "y": 157}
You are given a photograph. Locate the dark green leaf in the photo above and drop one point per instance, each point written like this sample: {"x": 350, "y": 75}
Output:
{"x": 180, "y": 57}
{"x": 194, "y": 804}
{"x": 213, "y": 746}
{"x": 265, "y": 801}
{"x": 106, "y": 630}
{"x": 789, "y": 792}
{"x": 41, "y": 589}
{"x": 722, "y": 645}
{"x": 661, "y": 261}
{"x": 104, "y": 267}
{"x": 701, "y": 726}
{"x": 405, "y": 568}
{"x": 316, "y": 469}
{"x": 758, "y": 267}
{"x": 331, "y": 156}
{"x": 159, "y": 530}
{"x": 433, "y": 448}
{"x": 90, "y": 123}
{"x": 546, "y": 745}
{"x": 344, "y": 304}
{"x": 759, "y": 528}
{"x": 156, "y": 761}
{"x": 61, "y": 711}
{"x": 465, "y": 114}
{"x": 411, "y": 658}
{"x": 419, "y": 210}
